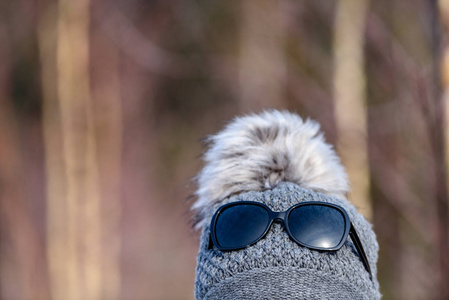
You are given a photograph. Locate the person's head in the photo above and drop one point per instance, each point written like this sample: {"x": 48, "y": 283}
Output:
{"x": 275, "y": 220}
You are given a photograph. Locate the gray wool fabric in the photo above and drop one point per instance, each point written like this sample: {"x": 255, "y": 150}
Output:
{"x": 278, "y": 268}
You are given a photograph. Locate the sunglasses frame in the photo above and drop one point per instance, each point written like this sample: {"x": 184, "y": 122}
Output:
{"x": 283, "y": 218}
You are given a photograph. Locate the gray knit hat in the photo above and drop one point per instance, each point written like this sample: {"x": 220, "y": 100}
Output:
{"x": 278, "y": 159}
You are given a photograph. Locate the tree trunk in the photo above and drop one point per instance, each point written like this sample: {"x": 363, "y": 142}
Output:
{"x": 350, "y": 102}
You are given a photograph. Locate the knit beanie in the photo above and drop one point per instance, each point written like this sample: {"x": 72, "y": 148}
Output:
{"x": 278, "y": 159}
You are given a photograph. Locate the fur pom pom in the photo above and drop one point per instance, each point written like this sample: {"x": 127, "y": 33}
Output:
{"x": 256, "y": 152}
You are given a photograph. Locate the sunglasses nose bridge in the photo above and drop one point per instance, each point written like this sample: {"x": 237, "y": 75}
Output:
{"x": 278, "y": 216}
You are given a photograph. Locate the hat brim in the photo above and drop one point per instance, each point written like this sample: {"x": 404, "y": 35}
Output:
{"x": 288, "y": 283}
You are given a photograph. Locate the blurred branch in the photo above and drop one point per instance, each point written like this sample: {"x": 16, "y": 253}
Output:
{"x": 349, "y": 96}
{"x": 392, "y": 182}
{"x": 140, "y": 49}
{"x": 378, "y": 31}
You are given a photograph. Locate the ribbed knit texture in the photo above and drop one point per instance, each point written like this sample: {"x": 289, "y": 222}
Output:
{"x": 278, "y": 268}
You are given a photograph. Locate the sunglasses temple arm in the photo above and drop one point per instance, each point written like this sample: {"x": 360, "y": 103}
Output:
{"x": 211, "y": 244}
{"x": 358, "y": 246}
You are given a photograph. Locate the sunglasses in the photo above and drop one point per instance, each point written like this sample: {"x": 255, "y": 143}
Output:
{"x": 315, "y": 225}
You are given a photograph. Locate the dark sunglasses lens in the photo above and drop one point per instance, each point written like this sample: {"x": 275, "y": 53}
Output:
{"x": 240, "y": 225}
{"x": 317, "y": 225}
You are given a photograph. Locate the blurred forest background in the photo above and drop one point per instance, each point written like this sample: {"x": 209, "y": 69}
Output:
{"x": 103, "y": 104}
